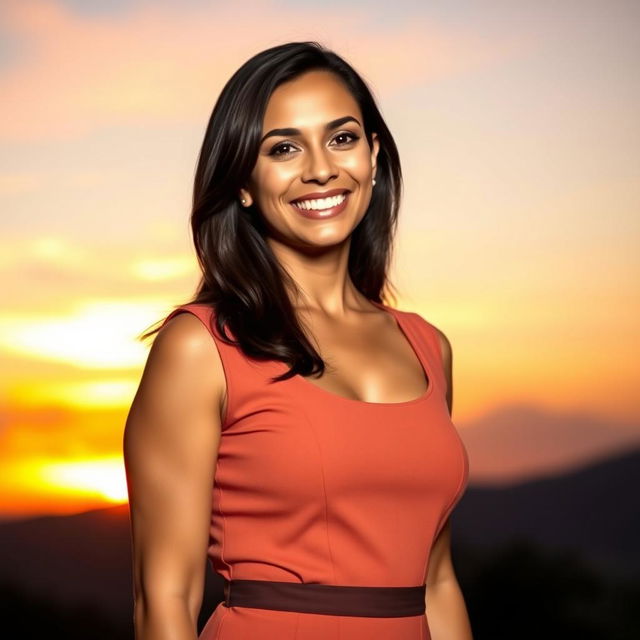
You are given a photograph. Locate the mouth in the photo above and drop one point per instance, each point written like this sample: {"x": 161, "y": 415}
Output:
{"x": 320, "y": 208}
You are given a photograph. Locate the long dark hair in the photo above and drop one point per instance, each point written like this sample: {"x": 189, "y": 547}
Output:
{"x": 241, "y": 277}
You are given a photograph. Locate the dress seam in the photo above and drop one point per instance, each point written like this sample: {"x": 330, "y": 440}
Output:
{"x": 326, "y": 503}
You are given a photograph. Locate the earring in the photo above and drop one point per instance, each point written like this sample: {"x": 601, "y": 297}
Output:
{"x": 243, "y": 201}
{"x": 374, "y": 181}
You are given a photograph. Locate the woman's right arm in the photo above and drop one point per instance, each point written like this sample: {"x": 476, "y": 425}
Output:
{"x": 170, "y": 448}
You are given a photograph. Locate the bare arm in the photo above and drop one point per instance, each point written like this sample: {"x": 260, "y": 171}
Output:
{"x": 170, "y": 446}
{"x": 446, "y": 610}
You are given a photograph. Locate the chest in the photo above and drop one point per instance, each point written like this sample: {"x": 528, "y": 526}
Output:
{"x": 372, "y": 360}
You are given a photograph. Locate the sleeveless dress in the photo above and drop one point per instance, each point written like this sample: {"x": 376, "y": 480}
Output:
{"x": 315, "y": 487}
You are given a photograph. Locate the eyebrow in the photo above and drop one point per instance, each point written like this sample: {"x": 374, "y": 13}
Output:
{"x": 290, "y": 131}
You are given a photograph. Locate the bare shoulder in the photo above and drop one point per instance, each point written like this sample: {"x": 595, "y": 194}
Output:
{"x": 186, "y": 343}
{"x": 185, "y": 335}
{"x": 184, "y": 364}
{"x": 183, "y": 371}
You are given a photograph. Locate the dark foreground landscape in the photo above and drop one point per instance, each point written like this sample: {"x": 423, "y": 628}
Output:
{"x": 552, "y": 558}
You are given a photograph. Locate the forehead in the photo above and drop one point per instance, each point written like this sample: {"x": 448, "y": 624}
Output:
{"x": 309, "y": 101}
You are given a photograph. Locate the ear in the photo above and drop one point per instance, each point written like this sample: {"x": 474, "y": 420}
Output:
{"x": 375, "y": 147}
{"x": 246, "y": 196}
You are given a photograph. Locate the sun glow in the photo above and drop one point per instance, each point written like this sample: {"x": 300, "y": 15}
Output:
{"x": 104, "y": 477}
{"x": 97, "y": 335}
{"x": 81, "y": 395}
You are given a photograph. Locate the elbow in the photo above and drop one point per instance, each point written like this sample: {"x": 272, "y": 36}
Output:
{"x": 160, "y": 616}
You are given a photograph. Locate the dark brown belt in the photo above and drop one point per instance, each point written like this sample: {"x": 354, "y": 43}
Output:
{"x": 327, "y": 599}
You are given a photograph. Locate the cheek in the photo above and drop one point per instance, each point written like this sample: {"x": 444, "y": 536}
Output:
{"x": 272, "y": 182}
{"x": 358, "y": 164}
{"x": 274, "y": 179}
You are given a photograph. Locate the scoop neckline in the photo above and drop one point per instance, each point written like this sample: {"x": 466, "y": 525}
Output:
{"x": 426, "y": 369}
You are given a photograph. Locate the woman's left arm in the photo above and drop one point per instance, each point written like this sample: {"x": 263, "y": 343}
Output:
{"x": 446, "y": 611}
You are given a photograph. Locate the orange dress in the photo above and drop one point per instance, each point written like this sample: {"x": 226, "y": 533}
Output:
{"x": 314, "y": 487}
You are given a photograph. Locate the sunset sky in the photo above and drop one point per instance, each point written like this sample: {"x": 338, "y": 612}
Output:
{"x": 518, "y": 130}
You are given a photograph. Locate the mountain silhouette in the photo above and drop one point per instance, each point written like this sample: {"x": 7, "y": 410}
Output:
{"x": 518, "y": 442}
{"x": 593, "y": 510}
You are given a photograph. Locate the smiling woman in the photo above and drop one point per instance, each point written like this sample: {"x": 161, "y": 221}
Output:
{"x": 290, "y": 425}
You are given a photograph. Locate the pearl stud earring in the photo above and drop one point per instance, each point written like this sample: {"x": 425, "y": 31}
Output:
{"x": 374, "y": 181}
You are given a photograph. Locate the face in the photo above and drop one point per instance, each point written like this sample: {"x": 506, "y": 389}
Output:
{"x": 313, "y": 142}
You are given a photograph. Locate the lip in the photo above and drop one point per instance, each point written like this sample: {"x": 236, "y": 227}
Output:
{"x": 321, "y": 194}
{"x": 323, "y": 214}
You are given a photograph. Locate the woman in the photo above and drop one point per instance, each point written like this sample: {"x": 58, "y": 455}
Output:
{"x": 289, "y": 424}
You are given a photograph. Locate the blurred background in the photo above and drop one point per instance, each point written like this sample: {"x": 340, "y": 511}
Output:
{"x": 517, "y": 125}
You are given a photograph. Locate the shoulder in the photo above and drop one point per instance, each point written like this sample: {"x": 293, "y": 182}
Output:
{"x": 181, "y": 381}
{"x": 443, "y": 342}
{"x": 184, "y": 331}
{"x": 185, "y": 343}
{"x": 445, "y": 347}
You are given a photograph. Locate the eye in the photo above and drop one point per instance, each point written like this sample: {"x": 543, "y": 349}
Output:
{"x": 278, "y": 147}
{"x": 347, "y": 134}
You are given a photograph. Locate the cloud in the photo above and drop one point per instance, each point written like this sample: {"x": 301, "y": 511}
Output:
{"x": 166, "y": 63}
{"x": 95, "y": 334}
{"x": 52, "y": 431}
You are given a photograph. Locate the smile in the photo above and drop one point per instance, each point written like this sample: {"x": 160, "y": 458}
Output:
{"x": 321, "y": 208}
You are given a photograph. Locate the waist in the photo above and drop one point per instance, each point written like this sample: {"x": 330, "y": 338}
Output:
{"x": 326, "y": 599}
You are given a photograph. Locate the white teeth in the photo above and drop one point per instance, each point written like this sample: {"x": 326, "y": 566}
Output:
{"x": 322, "y": 203}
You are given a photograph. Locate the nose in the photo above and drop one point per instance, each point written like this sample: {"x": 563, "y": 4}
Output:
{"x": 319, "y": 166}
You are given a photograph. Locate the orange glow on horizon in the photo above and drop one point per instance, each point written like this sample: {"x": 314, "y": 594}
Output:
{"x": 61, "y": 486}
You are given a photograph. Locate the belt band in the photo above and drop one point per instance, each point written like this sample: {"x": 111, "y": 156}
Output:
{"x": 334, "y": 600}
